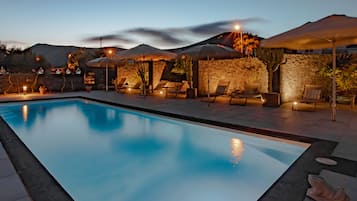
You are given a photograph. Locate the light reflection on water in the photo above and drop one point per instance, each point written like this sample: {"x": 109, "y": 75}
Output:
{"x": 100, "y": 152}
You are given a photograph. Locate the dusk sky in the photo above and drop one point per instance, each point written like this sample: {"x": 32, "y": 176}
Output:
{"x": 163, "y": 24}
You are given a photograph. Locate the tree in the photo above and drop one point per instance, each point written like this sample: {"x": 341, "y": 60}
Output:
{"x": 346, "y": 73}
{"x": 272, "y": 58}
{"x": 184, "y": 66}
{"x": 249, "y": 42}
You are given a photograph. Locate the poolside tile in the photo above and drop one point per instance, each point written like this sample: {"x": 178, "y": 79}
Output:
{"x": 11, "y": 188}
{"x": 6, "y": 168}
{"x": 346, "y": 149}
{"x": 24, "y": 199}
{"x": 3, "y": 153}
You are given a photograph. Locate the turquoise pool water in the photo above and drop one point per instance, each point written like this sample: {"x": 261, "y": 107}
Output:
{"x": 102, "y": 152}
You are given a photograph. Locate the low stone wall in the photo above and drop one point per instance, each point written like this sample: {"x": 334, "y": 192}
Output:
{"x": 14, "y": 82}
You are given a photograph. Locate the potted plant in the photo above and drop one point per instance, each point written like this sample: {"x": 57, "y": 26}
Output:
{"x": 272, "y": 58}
{"x": 42, "y": 89}
{"x": 143, "y": 77}
{"x": 184, "y": 66}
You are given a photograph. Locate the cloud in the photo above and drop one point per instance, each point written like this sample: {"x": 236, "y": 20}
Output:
{"x": 159, "y": 35}
{"x": 13, "y": 42}
{"x": 221, "y": 26}
{"x": 174, "y": 36}
{"x": 110, "y": 37}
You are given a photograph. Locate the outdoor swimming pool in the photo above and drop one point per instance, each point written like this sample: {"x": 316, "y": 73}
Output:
{"x": 102, "y": 152}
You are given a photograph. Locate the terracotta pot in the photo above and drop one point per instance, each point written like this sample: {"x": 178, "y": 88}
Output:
{"x": 88, "y": 88}
{"x": 42, "y": 90}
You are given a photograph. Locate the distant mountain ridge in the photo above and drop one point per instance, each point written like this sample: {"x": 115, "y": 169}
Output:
{"x": 57, "y": 55}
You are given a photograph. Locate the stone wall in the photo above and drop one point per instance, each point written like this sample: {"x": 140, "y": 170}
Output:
{"x": 301, "y": 69}
{"x": 237, "y": 71}
{"x": 14, "y": 82}
{"x": 129, "y": 71}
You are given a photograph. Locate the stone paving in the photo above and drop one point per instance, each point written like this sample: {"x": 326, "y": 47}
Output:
{"x": 317, "y": 125}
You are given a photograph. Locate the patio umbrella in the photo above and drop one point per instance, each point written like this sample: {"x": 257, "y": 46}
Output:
{"x": 210, "y": 51}
{"x": 143, "y": 53}
{"x": 328, "y": 32}
{"x": 103, "y": 62}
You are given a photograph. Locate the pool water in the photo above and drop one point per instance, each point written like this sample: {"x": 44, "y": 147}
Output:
{"x": 102, "y": 152}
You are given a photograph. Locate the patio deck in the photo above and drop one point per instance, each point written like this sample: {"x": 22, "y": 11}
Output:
{"x": 337, "y": 139}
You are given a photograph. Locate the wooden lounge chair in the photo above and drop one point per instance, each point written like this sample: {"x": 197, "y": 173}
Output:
{"x": 311, "y": 95}
{"x": 249, "y": 91}
{"x": 221, "y": 90}
{"x": 174, "y": 89}
{"x": 132, "y": 88}
{"x": 119, "y": 84}
{"x": 159, "y": 89}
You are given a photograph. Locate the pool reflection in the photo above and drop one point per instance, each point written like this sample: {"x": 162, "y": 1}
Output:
{"x": 237, "y": 148}
{"x": 24, "y": 110}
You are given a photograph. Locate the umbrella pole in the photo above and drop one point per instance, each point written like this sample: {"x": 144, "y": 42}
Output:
{"x": 208, "y": 95}
{"x": 106, "y": 78}
{"x": 334, "y": 80}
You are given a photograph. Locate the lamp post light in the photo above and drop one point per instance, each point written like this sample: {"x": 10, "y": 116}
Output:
{"x": 238, "y": 28}
{"x": 109, "y": 55}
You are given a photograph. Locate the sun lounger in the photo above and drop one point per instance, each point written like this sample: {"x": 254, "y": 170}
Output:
{"x": 128, "y": 88}
{"x": 173, "y": 89}
{"x": 311, "y": 95}
{"x": 221, "y": 90}
{"x": 159, "y": 89}
{"x": 250, "y": 91}
{"x": 119, "y": 84}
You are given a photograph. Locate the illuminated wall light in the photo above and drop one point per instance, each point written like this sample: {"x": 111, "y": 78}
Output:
{"x": 161, "y": 92}
{"x": 294, "y": 105}
{"x": 24, "y": 89}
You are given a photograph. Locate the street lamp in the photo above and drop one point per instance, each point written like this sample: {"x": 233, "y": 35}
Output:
{"x": 109, "y": 54}
{"x": 238, "y": 28}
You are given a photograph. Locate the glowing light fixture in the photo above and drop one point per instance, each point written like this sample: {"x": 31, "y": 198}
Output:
{"x": 237, "y": 27}
{"x": 24, "y": 89}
